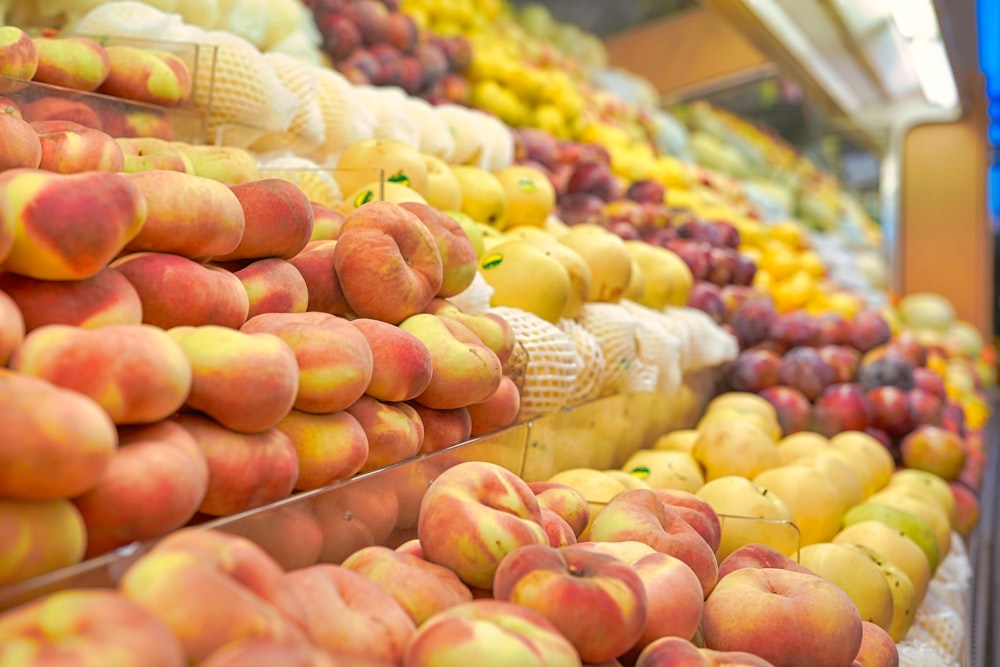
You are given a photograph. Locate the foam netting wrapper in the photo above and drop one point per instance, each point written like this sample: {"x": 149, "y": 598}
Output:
{"x": 617, "y": 332}
{"x": 480, "y": 139}
{"x": 659, "y": 346}
{"x": 344, "y": 120}
{"x": 475, "y": 298}
{"x": 317, "y": 183}
{"x": 306, "y": 128}
{"x": 388, "y": 105}
{"x": 551, "y": 365}
{"x": 709, "y": 344}
{"x": 590, "y": 379}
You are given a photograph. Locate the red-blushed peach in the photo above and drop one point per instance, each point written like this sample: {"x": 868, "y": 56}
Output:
{"x": 798, "y": 619}
{"x": 39, "y": 536}
{"x": 493, "y": 330}
{"x": 274, "y": 285}
{"x": 21, "y": 146}
{"x": 334, "y": 358}
{"x": 672, "y": 652}
{"x": 266, "y": 653}
{"x": 490, "y": 633}
{"x": 67, "y": 226}
{"x": 734, "y": 659}
{"x": 279, "y": 220}
{"x": 154, "y": 484}
{"x": 565, "y": 501}
{"x": 367, "y": 621}
{"x": 420, "y": 587}
{"x": 315, "y": 263}
{"x": 498, "y": 411}
{"x": 401, "y": 363}
{"x": 12, "y": 327}
{"x": 760, "y": 556}
{"x": 442, "y": 428}
{"x": 464, "y": 370}
{"x": 212, "y": 588}
{"x": 326, "y": 223}
{"x": 152, "y": 153}
{"x": 290, "y": 534}
{"x": 394, "y": 431}
{"x": 103, "y": 299}
{"x": 55, "y": 443}
{"x": 187, "y": 215}
{"x": 639, "y": 514}
{"x": 176, "y": 291}
{"x": 331, "y": 447}
{"x": 387, "y": 262}
{"x": 458, "y": 256}
{"x": 877, "y": 648}
{"x": 967, "y": 508}
{"x": 135, "y": 122}
{"x": 226, "y": 164}
{"x": 245, "y": 470}
{"x": 79, "y": 63}
{"x": 143, "y": 74}
{"x": 473, "y": 515}
{"x": 18, "y": 55}
{"x": 559, "y": 533}
{"x": 245, "y": 381}
{"x": 355, "y": 515}
{"x": 410, "y": 482}
{"x": 53, "y": 107}
{"x": 94, "y": 627}
{"x": 697, "y": 512}
{"x": 71, "y": 148}
{"x": 136, "y": 372}
{"x": 596, "y": 601}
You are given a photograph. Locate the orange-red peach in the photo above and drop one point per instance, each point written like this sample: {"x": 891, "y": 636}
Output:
{"x": 493, "y": 330}
{"x": 72, "y": 148}
{"x": 498, "y": 411}
{"x": 18, "y": 55}
{"x": 274, "y": 285}
{"x": 401, "y": 363}
{"x": 133, "y": 122}
{"x": 355, "y": 515}
{"x": 442, "y": 428}
{"x": 21, "y": 145}
{"x": 146, "y": 75}
{"x": 458, "y": 256}
{"x": 331, "y": 446}
{"x": 79, "y": 63}
{"x": 36, "y": 537}
{"x": 103, "y": 299}
{"x": 53, "y": 107}
{"x": 12, "y": 327}
{"x": 267, "y": 653}
{"x": 394, "y": 431}
{"x": 559, "y": 532}
{"x": 279, "y": 219}
{"x": 151, "y": 153}
{"x": 565, "y": 501}
{"x": 290, "y": 533}
{"x": 315, "y": 263}
{"x": 326, "y": 223}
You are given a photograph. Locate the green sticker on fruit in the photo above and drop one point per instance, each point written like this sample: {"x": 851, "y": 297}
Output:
{"x": 526, "y": 185}
{"x": 363, "y": 198}
{"x": 493, "y": 261}
{"x": 400, "y": 178}
{"x": 642, "y": 472}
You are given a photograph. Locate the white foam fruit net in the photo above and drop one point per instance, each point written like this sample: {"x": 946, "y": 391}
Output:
{"x": 475, "y": 298}
{"x": 317, "y": 183}
{"x": 659, "y": 347}
{"x": 551, "y": 365}
{"x": 463, "y": 126}
{"x": 435, "y": 137}
{"x": 388, "y": 105}
{"x": 590, "y": 379}
{"x": 306, "y": 128}
{"x": 344, "y": 120}
{"x": 616, "y": 332}
{"x": 710, "y": 344}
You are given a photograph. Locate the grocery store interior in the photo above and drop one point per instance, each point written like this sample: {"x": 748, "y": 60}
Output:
{"x": 516, "y": 333}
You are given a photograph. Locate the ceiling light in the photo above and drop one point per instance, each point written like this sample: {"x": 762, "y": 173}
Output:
{"x": 930, "y": 60}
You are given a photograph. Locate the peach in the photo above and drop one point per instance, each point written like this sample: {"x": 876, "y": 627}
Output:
{"x": 759, "y": 555}
{"x": 498, "y": 411}
{"x": 671, "y": 652}
{"x": 38, "y": 536}
{"x": 245, "y": 381}
{"x": 103, "y": 299}
{"x": 279, "y": 219}
{"x": 55, "y": 443}
{"x": 355, "y": 515}
{"x": 458, "y": 256}
{"x": 71, "y": 148}
{"x": 136, "y": 372}
{"x": 473, "y": 515}
{"x": 226, "y": 164}
{"x": 21, "y": 145}
{"x": 290, "y": 534}
{"x": 79, "y": 63}
{"x": 187, "y": 215}
{"x": 675, "y": 599}
{"x": 154, "y": 484}
{"x": 326, "y": 223}
{"x": 265, "y": 653}
{"x": 212, "y": 589}
{"x": 565, "y": 501}
{"x": 315, "y": 263}
{"x": 67, "y": 226}
{"x": 387, "y": 262}
{"x": 367, "y": 621}
{"x": 134, "y": 122}
{"x": 401, "y": 363}
{"x": 334, "y": 358}
{"x": 492, "y": 329}
{"x": 420, "y": 587}
{"x": 464, "y": 370}
{"x": 18, "y": 55}
{"x": 245, "y": 470}
{"x": 12, "y": 327}
{"x": 146, "y": 75}
{"x": 95, "y": 627}
{"x": 559, "y": 532}
{"x": 176, "y": 291}
{"x": 394, "y": 431}
{"x": 151, "y": 153}
{"x": 442, "y": 428}
{"x": 53, "y": 108}
{"x": 877, "y": 648}
{"x": 274, "y": 285}
{"x": 697, "y": 512}
{"x": 330, "y": 447}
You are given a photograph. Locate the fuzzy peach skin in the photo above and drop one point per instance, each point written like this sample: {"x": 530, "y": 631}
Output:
{"x": 245, "y": 381}
{"x": 227, "y": 164}
{"x": 22, "y": 147}
{"x": 38, "y": 536}
{"x": 55, "y": 443}
{"x": 315, "y": 263}
{"x": 72, "y": 148}
{"x": 458, "y": 256}
{"x": 290, "y": 534}
{"x": 79, "y": 63}
{"x": 465, "y": 371}
{"x": 394, "y": 431}
{"x": 274, "y": 285}
{"x": 679, "y": 652}
{"x": 442, "y": 428}
{"x": 18, "y": 55}
{"x": 53, "y": 108}
{"x": 877, "y": 648}
{"x": 401, "y": 363}
{"x": 146, "y": 75}
{"x": 498, "y": 411}
{"x": 176, "y": 291}
{"x": 359, "y": 514}
{"x": 12, "y": 327}
{"x": 697, "y": 512}
{"x": 420, "y": 587}
{"x": 89, "y": 628}
{"x": 263, "y": 653}
{"x": 136, "y": 372}
{"x": 154, "y": 484}
{"x": 103, "y": 299}
{"x": 559, "y": 532}
{"x": 334, "y": 358}
{"x": 326, "y": 223}
{"x": 66, "y": 226}
{"x": 565, "y": 501}
{"x": 245, "y": 470}
{"x": 387, "y": 262}
{"x": 211, "y": 588}
{"x": 279, "y": 220}
{"x": 759, "y": 556}
{"x": 187, "y": 215}
{"x": 639, "y": 515}
{"x": 138, "y": 122}
{"x": 473, "y": 515}
{"x": 490, "y": 633}
{"x": 330, "y": 447}
{"x": 368, "y": 621}
{"x": 494, "y": 331}
{"x": 151, "y": 154}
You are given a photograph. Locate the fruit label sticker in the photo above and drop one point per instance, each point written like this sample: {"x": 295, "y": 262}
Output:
{"x": 492, "y": 261}
{"x": 363, "y": 198}
{"x": 526, "y": 185}
{"x": 642, "y": 472}
{"x": 401, "y": 178}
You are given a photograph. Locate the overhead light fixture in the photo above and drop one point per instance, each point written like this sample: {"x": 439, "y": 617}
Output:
{"x": 915, "y": 19}
{"x": 930, "y": 59}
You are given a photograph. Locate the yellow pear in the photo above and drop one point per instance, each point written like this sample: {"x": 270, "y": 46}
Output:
{"x": 577, "y": 269}
{"x": 377, "y": 191}
{"x": 530, "y": 195}
{"x": 371, "y": 160}
{"x": 608, "y": 258}
{"x": 483, "y": 196}
{"x": 523, "y": 276}
{"x": 443, "y": 191}
{"x": 668, "y": 278}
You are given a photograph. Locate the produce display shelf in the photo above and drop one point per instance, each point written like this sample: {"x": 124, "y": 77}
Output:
{"x": 984, "y": 646}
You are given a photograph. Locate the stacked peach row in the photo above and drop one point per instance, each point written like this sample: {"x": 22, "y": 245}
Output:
{"x": 175, "y": 346}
